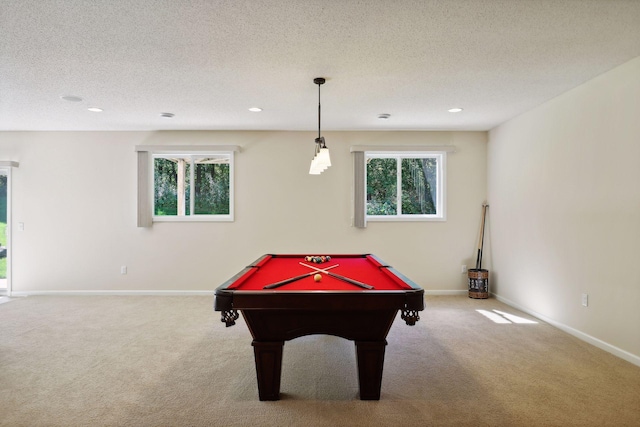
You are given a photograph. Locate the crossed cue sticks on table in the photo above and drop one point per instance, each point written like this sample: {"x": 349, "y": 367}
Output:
{"x": 315, "y": 271}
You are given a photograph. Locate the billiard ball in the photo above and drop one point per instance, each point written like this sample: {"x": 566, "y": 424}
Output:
{"x": 317, "y": 277}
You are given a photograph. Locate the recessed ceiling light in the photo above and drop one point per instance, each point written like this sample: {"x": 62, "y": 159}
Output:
{"x": 255, "y": 109}
{"x": 384, "y": 116}
{"x": 167, "y": 115}
{"x": 95, "y": 109}
{"x": 71, "y": 98}
{"x": 455, "y": 110}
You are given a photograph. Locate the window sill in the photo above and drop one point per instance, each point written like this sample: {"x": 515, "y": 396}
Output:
{"x": 416, "y": 218}
{"x": 194, "y": 218}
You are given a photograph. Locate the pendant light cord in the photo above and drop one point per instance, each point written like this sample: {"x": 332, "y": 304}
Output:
{"x": 318, "y": 110}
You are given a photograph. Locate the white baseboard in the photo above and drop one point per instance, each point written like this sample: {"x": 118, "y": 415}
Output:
{"x": 112, "y": 293}
{"x": 625, "y": 355}
{"x": 446, "y": 292}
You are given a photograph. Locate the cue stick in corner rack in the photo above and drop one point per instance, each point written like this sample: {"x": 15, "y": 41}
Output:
{"x": 293, "y": 279}
{"x": 337, "y": 276}
{"x": 481, "y": 240}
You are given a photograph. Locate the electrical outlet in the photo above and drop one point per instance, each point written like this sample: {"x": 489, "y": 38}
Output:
{"x": 123, "y": 269}
{"x": 585, "y": 300}
{"x": 463, "y": 269}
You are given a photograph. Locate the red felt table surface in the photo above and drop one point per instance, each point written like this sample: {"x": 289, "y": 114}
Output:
{"x": 275, "y": 268}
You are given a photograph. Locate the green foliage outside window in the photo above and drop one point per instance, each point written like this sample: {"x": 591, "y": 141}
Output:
{"x": 212, "y": 189}
{"x": 418, "y": 186}
{"x": 382, "y": 187}
{"x": 165, "y": 183}
{"x": 3, "y": 223}
{"x": 3, "y": 199}
{"x": 211, "y": 182}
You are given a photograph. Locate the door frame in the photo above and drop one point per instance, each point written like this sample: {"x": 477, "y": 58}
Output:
{"x": 6, "y": 168}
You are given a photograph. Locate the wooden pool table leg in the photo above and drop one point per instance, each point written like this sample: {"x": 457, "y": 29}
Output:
{"x": 268, "y": 368}
{"x": 370, "y": 357}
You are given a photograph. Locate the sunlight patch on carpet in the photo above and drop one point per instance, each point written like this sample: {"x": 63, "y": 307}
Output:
{"x": 498, "y": 316}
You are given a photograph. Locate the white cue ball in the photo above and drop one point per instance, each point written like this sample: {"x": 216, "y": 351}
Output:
{"x": 317, "y": 277}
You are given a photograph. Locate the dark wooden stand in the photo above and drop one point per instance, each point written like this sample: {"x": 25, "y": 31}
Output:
{"x": 369, "y": 355}
{"x": 268, "y": 368}
{"x": 270, "y": 329}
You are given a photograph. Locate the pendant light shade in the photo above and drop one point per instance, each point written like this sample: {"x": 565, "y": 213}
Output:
{"x": 321, "y": 160}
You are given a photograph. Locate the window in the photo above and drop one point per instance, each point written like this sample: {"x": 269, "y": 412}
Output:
{"x": 404, "y": 186}
{"x": 185, "y": 183}
{"x": 190, "y": 185}
{"x": 399, "y": 184}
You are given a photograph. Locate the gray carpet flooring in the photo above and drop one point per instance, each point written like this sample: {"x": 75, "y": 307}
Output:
{"x": 169, "y": 361}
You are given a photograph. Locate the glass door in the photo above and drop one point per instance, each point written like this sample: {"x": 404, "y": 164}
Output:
{"x": 4, "y": 230}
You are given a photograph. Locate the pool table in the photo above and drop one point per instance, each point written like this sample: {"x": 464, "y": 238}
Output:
{"x": 355, "y": 297}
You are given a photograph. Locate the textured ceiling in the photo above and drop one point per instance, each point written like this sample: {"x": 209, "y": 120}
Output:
{"x": 207, "y": 62}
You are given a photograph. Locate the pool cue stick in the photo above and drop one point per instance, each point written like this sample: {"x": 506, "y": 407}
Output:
{"x": 293, "y": 279}
{"x": 319, "y": 270}
{"x": 339, "y": 277}
{"x": 481, "y": 240}
{"x": 479, "y": 244}
{"x": 484, "y": 220}
{"x": 286, "y": 281}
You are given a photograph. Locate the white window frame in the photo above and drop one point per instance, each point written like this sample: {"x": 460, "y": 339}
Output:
{"x": 146, "y": 156}
{"x": 440, "y": 185}
{"x": 360, "y": 155}
{"x": 440, "y": 157}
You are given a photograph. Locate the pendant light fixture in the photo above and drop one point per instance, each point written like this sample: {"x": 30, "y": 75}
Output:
{"x": 321, "y": 160}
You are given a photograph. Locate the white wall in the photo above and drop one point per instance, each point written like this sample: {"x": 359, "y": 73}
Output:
{"x": 75, "y": 192}
{"x": 564, "y": 190}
